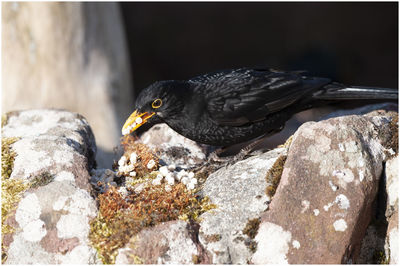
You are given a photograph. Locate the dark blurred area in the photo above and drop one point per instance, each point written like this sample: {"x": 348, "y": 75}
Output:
{"x": 353, "y": 43}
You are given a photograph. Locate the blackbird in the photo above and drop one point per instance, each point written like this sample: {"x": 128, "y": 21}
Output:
{"x": 233, "y": 106}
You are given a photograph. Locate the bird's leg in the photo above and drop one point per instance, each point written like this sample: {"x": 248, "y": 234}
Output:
{"x": 215, "y": 156}
{"x": 244, "y": 152}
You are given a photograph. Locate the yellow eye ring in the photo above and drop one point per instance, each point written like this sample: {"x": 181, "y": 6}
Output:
{"x": 156, "y": 103}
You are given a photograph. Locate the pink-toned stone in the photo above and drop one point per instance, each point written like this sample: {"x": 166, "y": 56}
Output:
{"x": 321, "y": 213}
{"x": 172, "y": 242}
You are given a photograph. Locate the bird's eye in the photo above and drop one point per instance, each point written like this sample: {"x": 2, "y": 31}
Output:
{"x": 156, "y": 103}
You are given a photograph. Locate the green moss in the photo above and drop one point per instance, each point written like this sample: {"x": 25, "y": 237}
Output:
{"x": 121, "y": 217}
{"x": 287, "y": 143}
{"x": 251, "y": 227}
{"x": 380, "y": 257}
{"x": 11, "y": 190}
{"x": 7, "y": 157}
{"x": 195, "y": 259}
{"x": 251, "y": 230}
{"x": 4, "y": 120}
{"x": 212, "y": 238}
{"x": 273, "y": 175}
{"x": 42, "y": 180}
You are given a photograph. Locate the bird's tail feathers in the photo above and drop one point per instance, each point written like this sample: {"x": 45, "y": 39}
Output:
{"x": 334, "y": 92}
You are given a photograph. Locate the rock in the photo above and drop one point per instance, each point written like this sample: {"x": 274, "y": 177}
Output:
{"x": 173, "y": 148}
{"x": 392, "y": 210}
{"x": 239, "y": 193}
{"x": 71, "y": 56}
{"x": 392, "y": 239}
{"x": 324, "y": 199}
{"x": 54, "y": 153}
{"x": 51, "y": 141}
{"x": 167, "y": 243}
{"x": 314, "y": 196}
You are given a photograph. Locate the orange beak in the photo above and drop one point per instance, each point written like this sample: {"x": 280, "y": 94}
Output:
{"x": 134, "y": 121}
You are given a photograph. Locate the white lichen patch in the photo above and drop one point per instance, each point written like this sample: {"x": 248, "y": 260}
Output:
{"x": 316, "y": 212}
{"x": 181, "y": 248}
{"x": 341, "y": 147}
{"x": 392, "y": 183}
{"x": 394, "y": 246}
{"x": 343, "y": 202}
{"x": 327, "y": 206}
{"x": 272, "y": 244}
{"x": 340, "y": 225}
{"x": 33, "y": 123}
{"x": 344, "y": 176}
{"x": 28, "y": 210}
{"x": 296, "y": 244}
{"x": 63, "y": 157}
{"x": 361, "y": 175}
{"x": 81, "y": 203}
{"x": 73, "y": 225}
{"x": 305, "y": 204}
{"x": 28, "y": 160}
{"x": 351, "y": 146}
{"x": 323, "y": 143}
{"x": 60, "y": 203}
{"x": 34, "y": 231}
{"x": 64, "y": 176}
{"x": 377, "y": 154}
{"x": 333, "y": 186}
{"x": 27, "y": 216}
{"x": 81, "y": 254}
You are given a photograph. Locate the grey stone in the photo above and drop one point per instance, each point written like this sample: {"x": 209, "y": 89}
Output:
{"x": 56, "y": 150}
{"x": 166, "y": 243}
{"x": 392, "y": 210}
{"x": 239, "y": 193}
{"x": 173, "y": 148}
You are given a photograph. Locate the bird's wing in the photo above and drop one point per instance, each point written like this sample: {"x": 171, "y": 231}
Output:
{"x": 244, "y": 95}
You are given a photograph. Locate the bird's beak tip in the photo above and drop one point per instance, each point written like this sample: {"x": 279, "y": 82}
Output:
{"x": 134, "y": 121}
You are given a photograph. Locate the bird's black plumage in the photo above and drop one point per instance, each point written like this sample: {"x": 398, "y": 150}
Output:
{"x": 233, "y": 106}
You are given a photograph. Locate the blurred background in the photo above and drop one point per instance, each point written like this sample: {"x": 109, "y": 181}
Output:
{"x": 354, "y": 43}
{"x": 93, "y": 58}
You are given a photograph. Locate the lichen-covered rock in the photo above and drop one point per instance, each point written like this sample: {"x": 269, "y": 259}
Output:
{"x": 53, "y": 154}
{"x": 173, "y": 148}
{"x": 392, "y": 210}
{"x": 323, "y": 203}
{"x": 239, "y": 193}
{"x": 167, "y": 243}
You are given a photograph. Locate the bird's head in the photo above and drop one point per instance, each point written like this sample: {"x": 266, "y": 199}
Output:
{"x": 159, "y": 101}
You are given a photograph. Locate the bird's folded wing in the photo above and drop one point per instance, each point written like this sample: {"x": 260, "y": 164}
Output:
{"x": 251, "y": 95}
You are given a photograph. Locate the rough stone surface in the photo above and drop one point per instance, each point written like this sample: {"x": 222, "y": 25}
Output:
{"x": 239, "y": 193}
{"x": 174, "y": 148}
{"x": 323, "y": 202}
{"x": 167, "y": 243}
{"x": 72, "y": 56}
{"x": 392, "y": 211}
{"x": 56, "y": 150}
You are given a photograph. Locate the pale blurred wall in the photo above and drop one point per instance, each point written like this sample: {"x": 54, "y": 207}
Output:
{"x": 68, "y": 55}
